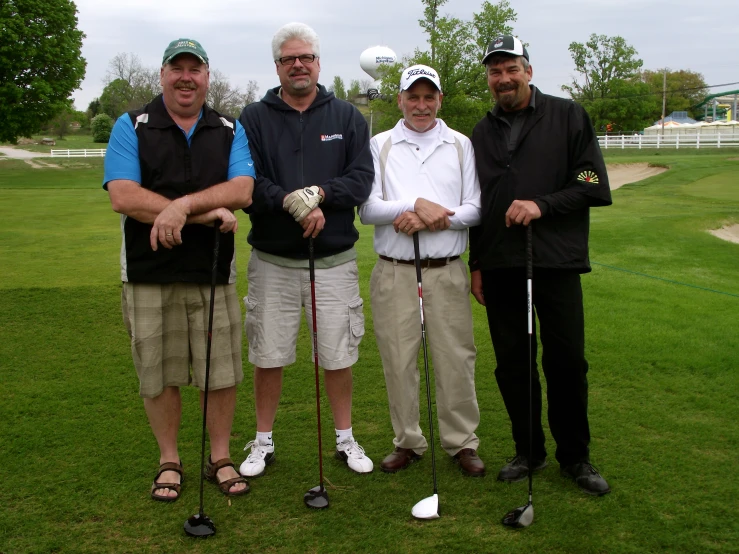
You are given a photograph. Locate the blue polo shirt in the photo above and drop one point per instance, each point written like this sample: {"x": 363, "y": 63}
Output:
{"x": 122, "y": 154}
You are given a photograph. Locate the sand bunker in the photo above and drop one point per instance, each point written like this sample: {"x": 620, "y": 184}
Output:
{"x": 623, "y": 174}
{"x": 730, "y": 233}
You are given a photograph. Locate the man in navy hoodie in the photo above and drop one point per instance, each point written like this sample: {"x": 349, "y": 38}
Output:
{"x": 314, "y": 166}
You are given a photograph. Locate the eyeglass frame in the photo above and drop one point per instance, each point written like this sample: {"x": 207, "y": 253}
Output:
{"x": 294, "y": 58}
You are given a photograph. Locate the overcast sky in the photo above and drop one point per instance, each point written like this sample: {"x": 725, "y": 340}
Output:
{"x": 237, "y": 34}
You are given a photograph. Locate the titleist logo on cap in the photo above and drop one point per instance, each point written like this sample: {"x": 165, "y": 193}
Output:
{"x": 421, "y": 71}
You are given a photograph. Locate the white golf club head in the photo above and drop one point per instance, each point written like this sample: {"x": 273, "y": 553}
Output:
{"x": 520, "y": 517}
{"x": 428, "y": 508}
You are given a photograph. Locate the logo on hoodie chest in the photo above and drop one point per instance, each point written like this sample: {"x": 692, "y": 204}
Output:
{"x": 327, "y": 138}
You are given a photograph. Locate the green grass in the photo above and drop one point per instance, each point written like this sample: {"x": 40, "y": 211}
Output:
{"x": 73, "y": 141}
{"x": 78, "y": 456}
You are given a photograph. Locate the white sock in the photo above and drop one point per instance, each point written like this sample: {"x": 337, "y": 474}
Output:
{"x": 343, "y": 434}
{"x": 265, "y": 439}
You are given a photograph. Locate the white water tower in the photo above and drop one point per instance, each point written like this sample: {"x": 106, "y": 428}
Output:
{"x": 370, "y": 61}
{"x": 372, "y": 58}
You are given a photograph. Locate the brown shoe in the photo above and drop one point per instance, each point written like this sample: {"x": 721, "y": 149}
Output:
{"x": 470, "y": 463}
{"x": 398, "y": 459}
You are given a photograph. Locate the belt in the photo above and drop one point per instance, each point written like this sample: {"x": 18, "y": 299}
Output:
{"x": 427, "y": 262}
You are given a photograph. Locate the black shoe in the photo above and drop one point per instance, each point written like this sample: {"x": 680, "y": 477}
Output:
{"x": 587, "y": 478}
{"x": 517, "y": 469}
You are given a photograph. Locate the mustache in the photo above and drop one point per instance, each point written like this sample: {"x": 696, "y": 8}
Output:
{"x": 299, "y": 72}
{"x": 185, "y": 86}
{"x": 505, "y": 88}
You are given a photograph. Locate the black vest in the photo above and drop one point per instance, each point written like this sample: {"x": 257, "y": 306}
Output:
{"x": 173, "y": 169}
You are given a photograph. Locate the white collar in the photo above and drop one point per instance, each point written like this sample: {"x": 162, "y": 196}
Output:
{"x": 445, "y": 133}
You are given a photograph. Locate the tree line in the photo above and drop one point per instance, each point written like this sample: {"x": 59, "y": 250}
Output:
{"x": 610, "y": 81}
{"x": 622, "y": 97}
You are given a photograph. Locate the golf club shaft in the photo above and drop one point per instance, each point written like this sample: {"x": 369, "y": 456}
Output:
{"x": 530, "y": 302}
{"x": 312, "y": 269}
{"x": 417, "y": 251}
{"x": 213, "y": 279}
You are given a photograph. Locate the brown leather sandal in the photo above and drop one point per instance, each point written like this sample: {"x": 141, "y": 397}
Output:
{"x": 211, "y": 474}
{"x": 167, "y": 466}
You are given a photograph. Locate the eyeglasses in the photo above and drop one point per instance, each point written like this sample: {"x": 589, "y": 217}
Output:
{"x": 304, "y": 59}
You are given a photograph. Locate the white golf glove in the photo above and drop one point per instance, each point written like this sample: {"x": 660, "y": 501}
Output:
{"x": 301, "y": 202}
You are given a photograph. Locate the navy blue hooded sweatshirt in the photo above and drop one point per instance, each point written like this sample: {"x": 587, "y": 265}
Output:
{"x": 326, "y": 145}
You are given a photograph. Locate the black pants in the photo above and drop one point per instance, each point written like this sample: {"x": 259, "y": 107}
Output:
{"x": 557, "y": 297}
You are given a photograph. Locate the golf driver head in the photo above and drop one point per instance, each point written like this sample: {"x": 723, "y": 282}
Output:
{"x": 428, "y": 508}
{"x": 316, "y": 498}
{"x": 520, "y": 517}
{"x": 201, "y": 526}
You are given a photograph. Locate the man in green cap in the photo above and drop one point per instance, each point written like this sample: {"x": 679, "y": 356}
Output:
{"x": 173, "y": 169}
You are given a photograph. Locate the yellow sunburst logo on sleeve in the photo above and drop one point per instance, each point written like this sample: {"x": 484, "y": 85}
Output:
{"x": 588, "y": 177}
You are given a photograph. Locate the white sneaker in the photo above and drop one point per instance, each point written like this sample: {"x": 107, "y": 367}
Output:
{"x": 258, "y": 459}
{"x": 353, "y": 454}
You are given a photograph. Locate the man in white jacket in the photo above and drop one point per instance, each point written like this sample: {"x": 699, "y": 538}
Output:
{"x": 425, "y": 182}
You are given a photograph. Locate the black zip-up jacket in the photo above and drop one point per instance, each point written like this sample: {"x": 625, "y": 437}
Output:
{"x": 326, "y": 145}
{"x": 557, "y": 163}
{"x": 173, "y": 169}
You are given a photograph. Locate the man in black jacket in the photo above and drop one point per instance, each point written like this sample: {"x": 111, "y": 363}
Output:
{"x": 539, "y": 164}
{"x": 314, "y": 166}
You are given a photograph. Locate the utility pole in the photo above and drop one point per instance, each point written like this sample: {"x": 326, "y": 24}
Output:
{"x": 434, "y": 14}
{"x": 664, "y": 99}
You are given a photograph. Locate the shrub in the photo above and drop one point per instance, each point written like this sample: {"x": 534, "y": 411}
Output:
{"x": 101, "y": 126}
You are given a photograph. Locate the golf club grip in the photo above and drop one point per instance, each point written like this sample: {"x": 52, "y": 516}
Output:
{"x": 311, "y": 260}
{"x": 417, "y": 250}
{"x": 213, "y": 282}
{"x": 529, "y": 251}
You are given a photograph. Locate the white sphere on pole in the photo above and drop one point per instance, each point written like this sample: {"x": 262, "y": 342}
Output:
{"x": 372, "y": 58}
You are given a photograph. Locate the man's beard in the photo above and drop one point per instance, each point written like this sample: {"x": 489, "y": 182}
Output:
{"x": 302, "y": 86}
{"x": 511, "y": 101}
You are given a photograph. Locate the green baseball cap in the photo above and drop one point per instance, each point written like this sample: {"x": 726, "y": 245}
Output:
{"x": 184, "y": 46}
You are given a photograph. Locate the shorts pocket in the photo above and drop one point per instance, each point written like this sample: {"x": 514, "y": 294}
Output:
{"x": 356, "y": 322}
{"x": 250, "y": 321}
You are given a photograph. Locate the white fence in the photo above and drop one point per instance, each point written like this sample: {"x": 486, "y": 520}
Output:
{"x": 94, "y": 153}
{"x": 669, "y": 141}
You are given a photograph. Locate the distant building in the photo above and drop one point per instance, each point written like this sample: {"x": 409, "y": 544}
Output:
{"x": 680, "y": 118}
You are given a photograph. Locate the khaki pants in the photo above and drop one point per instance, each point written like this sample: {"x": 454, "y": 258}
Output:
{"x": 448, "y": 318}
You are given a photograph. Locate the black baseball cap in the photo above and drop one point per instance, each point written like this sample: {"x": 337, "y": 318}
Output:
{"x": 506, "y": 44}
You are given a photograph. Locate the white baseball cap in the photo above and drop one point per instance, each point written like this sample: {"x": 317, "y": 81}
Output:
{"x": 415, "y": 72}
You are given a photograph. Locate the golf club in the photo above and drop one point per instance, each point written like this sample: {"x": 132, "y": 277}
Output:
{"x": 428, "y": 508}
{"x": 523, "y": 516}
{"x": 200, "y": 525}
{"x": 317, "y": 497}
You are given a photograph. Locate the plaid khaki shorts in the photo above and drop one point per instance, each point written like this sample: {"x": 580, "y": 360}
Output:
{"x": 168, "y": 327}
